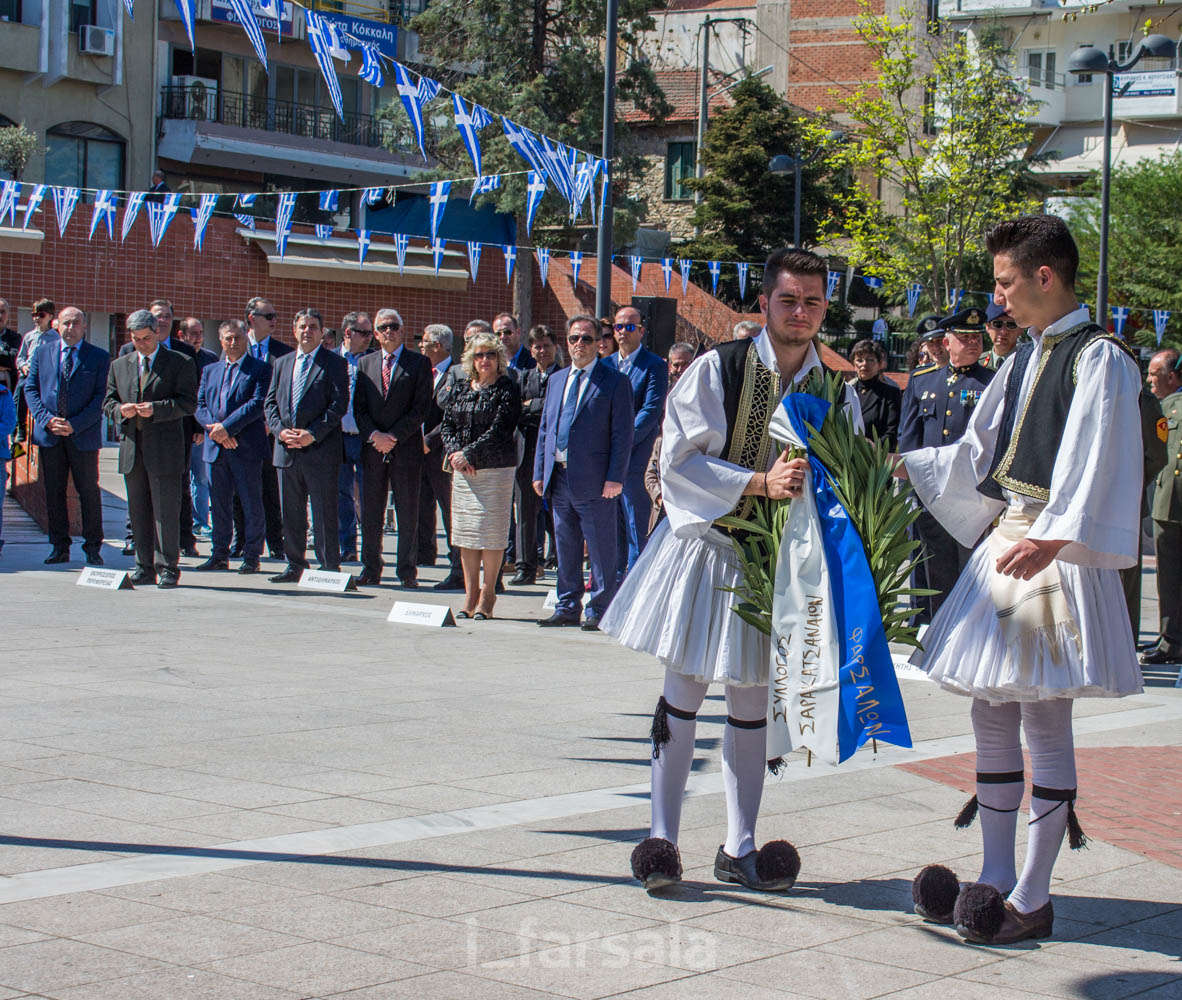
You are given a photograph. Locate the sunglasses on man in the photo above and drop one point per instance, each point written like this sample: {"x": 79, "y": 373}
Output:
{"x": 627, "y": 327}
{"x": 580, "y": 338}
{"x": 1003, "y": 324}
{"x": 389, "y": 327}
{"x": 266, "y": 316}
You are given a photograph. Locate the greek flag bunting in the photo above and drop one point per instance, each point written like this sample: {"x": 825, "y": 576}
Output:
{"x": 483, "y": 185}
{"x": 833, "y": 682}
{"x": 201, "y": 221}
{"x": 1160, "y": 318}
{"x": 558, "y": 168}
{"x": 473, "y": 259}
{"x": 323, "y": 232}
{"x": 576, "y": 262}
{"x": 1120, "y": 316}
{"x": 188, "y": 12}
{"x": 525, "y": 144}
{"x": 329, "y": 200}
{"x": 247, "y": 200}
{"x": 535, "y": 190}
{"x": 135, "y": 201}
{"x": 362, "y": 246}
{"x": 274, "y": 10}
{"x": 913, "y": 293}
{"x": 244, "y": 12}
{"x": 833, "y": 280}
{"x": 8, "y": 198}
{"x": 439, "y": 191}
{"x": 130, "y": 5}
{"x": 248, "y": 222}
{"x": 543, "y": 255}
{"x": 684, "y": 266}
{"x": 870, "y": 281}
{"x": 401, "y": 242}
{"x": 283, "y": 213}
{"x": 372, "y": 195}
{"x": 715, "y": 269}
{"x": 409, "y": 93}
{"x": 34, "y": 203}
{"x": 741, "y": 267}
{"x": 371, "y": 67}
{"x": 64, "y": 201}
{"x": 469, "y": 122}
{"x": 104, "y": 208}
{"x": 634, "y": 263}
{"x": 428, "y": 90}
{"x": 954, "y": 297}
{"x": 667, "y": 270}
{"x": 603, "y": 189}
{"x": 437, "y": 254}
{"x": 160, "y": 216}
{"x": 510, "y": 253}
{"x": 324, "y": 38}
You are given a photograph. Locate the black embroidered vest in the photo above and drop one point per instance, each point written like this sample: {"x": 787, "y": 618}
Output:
{"x": 1028, "y": 442}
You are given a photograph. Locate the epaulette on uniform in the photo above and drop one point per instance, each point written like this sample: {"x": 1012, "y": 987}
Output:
{"x": 925, "y": 371}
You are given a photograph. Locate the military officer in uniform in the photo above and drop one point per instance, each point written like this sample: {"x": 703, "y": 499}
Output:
{"x": 1165, "y": 377}
{"x": 1004, "y": 333}
{"x": 937, "y": 404}
{"x": 878, "y": 396}
{"x": 928, "y": 332}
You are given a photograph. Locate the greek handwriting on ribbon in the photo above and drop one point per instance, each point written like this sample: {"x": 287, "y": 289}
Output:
{"x": 780, "y": 703}
{"x": 809, "y": 662}
{"x": 866, "y": 702}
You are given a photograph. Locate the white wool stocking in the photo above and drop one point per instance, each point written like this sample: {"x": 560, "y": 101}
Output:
{"x": 1052, "y": 763}
{"x": 671, "y": 769}
{"x": 744, "y": 760}
{"x": 997, "y": 729}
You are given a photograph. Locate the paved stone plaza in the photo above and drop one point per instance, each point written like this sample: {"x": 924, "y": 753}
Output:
{"x": 239, "y": 790}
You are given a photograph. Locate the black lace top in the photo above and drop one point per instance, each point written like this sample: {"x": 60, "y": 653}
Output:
{"x": 481, "y": 422}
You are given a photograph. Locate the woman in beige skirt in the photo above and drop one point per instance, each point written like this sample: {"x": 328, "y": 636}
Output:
{"x": 480, "y": 417}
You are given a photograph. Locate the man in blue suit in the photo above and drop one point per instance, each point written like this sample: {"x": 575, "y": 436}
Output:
{"x": 64, "y": 390}
{"x": 584, "y": 443}
{"x": 230, "y": 410}
{"x": 648, "y": 377}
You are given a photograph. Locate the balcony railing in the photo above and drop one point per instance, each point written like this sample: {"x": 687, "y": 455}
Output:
{"x": 198, "y": 103}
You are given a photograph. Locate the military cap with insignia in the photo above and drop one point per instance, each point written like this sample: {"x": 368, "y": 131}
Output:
{"x": 994, "y": 312}
{"x": 929, "y": 328}
{"x": 966, "y": 321}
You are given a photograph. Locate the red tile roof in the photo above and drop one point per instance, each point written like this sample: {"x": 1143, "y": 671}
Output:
{"x": 682, "y": 90}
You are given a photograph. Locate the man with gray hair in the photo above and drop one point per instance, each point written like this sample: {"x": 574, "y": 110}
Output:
{"x": 437, "y": 345}
{"x": 150, "y": 393}
{"x": 745, "y": 329}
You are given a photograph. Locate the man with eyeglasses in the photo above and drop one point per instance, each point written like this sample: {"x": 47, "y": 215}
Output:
{"x": 584, "y": 444}
{"x": 505, "y": 327}
{"x": 1004, "y": 333}
{"x": 649, "y": 377}
{"x": 260, "y": 325}
{"x": 1165, "y": 378}
{"x": 43, "y": 313}
{"x": 357, "y": 331}
{"x": 390, "y": 403}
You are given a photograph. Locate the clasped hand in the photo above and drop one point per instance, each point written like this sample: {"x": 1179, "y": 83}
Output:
{"x": 129, "y": 410}
{"x": 295, "y": 437}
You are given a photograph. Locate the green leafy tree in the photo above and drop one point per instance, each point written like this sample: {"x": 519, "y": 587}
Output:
{"x": 746, "y": 212}
{"x": 540, "y": 64}
{"x": 17, "y": 146}
{"x": 1144, "y": 243}
{"x": 939, "y": 148}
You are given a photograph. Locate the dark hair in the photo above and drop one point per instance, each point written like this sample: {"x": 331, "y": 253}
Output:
{"x": 44, "y": 306}
{"x": 309, "y": 312}
{"x": 1034, "y": 241}
{"x": 509, "y": 316}
{"x": 794, "y": 261}
{"x": 231, "y": 324}
{"x": 161, "y": 302}
{"x": 869, "y": 347}
{"x": 541, "y": 332}
{"x": 350, "y": 320}
{"x": 581, "y": 318}
{"x": 911, "y": 362}
{"x": 253, "y": 304}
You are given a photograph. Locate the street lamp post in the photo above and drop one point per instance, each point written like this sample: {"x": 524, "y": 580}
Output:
{"x": 603, "y": 268}
{"x": 1091, "y": 61}
{"x": 783, "y": 163}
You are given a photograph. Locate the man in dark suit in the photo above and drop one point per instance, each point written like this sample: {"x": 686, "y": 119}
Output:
{"x": 879, "y": 397}
{"x": 65, "y": 388}
{"x": 390, "y": 403}
{"x": 192, "y": 331}
{"x": 436, "y": 481}
{"x": 357, "y": 338}
{"x": 648, "y": 376}
{"x": 260, "y": 324}
{"x": 230, "y": 410}
{"x": 584, "y": 445}
{"x": 150, "y": 392}
{"x": 308, "y": 396}
{"x": 505, "y": 326}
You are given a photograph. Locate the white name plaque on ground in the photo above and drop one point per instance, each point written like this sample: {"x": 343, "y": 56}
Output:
{"x": 433, "y": 615}
{"x": 318, "y": 579}
{"x": 551, "y": 601}
{"x": 104, "y": 579}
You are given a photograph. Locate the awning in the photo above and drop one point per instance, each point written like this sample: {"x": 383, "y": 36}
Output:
{"x": 1080, "y": 148}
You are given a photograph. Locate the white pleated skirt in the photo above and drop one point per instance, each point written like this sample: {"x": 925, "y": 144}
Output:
{"x": 671, "y": 607}
{"x": 964, "y": 650}
{"x": 480, "y": 508}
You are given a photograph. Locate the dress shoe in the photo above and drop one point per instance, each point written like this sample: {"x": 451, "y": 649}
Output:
{"x": 142, "y": 577}
{"x": 169, "y": 578}
{"x": 57, "y": 556}
{"x": 236, "y": 552}
{"x": 1161, "y": 654}
{"x": 521, "y": 578}
{"x": 657, "y": 863}
{"x": 277, "y": 554}
{"x": 289, "y": 575}
{"x": 246, "y": 568}
{"x": 450, "y": 583}
{"x": 129, "y": 548}
{"x": 1145, "y": 647}
{"x": 369, "y": 580}
{"x": 773, "y": 868}
{"x": 212, "y": 563}
{"x": 558, "y": 621}
{"x": 409, "y": 584}
{"x": 94, "y": 559}
{"x": 190, "y": 552}
{"x": 590, "y": 625}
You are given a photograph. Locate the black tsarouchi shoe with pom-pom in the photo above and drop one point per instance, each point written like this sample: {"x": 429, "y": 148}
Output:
{"x": 656, "y": 863}
{"x": 773, "y": 868}
{"x": 934, "y": 893}
{"x": 983, "y": 916}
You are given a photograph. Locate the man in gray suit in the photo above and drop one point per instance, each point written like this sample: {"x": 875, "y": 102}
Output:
{"x": 150, "y": 392}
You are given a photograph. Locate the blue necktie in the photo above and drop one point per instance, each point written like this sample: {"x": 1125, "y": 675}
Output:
{"x": 299, "y": 381}
{"x": 567, "y": 417}
{"x": 224, "y": 395}
{"x": 63, "y": 389}
{"x": 259, "y": 352}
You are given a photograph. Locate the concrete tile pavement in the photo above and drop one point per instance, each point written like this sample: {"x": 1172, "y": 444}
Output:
{"x": 236, "y": 791}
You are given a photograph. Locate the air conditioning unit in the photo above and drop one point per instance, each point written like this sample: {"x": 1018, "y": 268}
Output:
{"x": 96, "y": 41}
{"x": 199, "y": 95}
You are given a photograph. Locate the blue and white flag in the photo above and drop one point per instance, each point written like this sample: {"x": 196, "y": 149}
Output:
{"x": 741, "y": 268}
{"x": 715, "y": 269}
{"x": 247, "y": 200}
{"x": 483, "y": 185}
{"x": 833, "y": 681}
{"x": 283, "y": 213}
{"x": 954, "y": 297}
{"x": 603, "y": 187}
{"x": 201, "y": 220}
{"x": 371, "y": 67}
{"x": 248, "y": 222}
{"x": 510, "y": 253}
{"x": 535, "y": 190}
{"x": 525, "y": 143}
{"x": 372, "y": 195}
{"x": 135, "y": 201}
{"x": 273, "y": 9}
{"x": 1120, "y": 316}
{"x": 437, "y": 254}
{"x": 244, "y": 12}
{"x": 543, "y": 255}
{"x": 323, "y": 232}
{"x": 576, "y": 262}
{"x": 833, "y": 281}
{"x": 469, "y": 123}
{"x": 428, "y": 90}
{"x": 684, "y": 266}
{"x": 160, "y": 216}
{"x": 34, "y": 203}
{"x": 130, "y": 5}
{"x": 559, "y": 169}
{"x": 409, "y": 93}
{"x": 914, "y": 290}
{"x": 872, "y": 282}
{"x": 329, "y": 200}
{"x": 667, "y": 270}
{"x": 104, "y": 208}
{"x": 473, "y": 259}
{"x": 64, "y": 200}
{"x": 324, "y": 37}
{"x": 362, "y": 246}
{"x": 9, "y": 196}
{"x": 438, "y": 202}
{"x": 634, "y": 262}
{"x": 401, "y": 242}
{"x": 188, "y": 11}
{"x": 1160, "y": 318}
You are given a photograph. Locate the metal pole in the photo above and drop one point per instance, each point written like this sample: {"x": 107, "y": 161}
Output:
{"x": 603, "y": 271}
{"x": 796, "y": 182}
{"x": 703, "y": 104}
{"x": 1101, "y": 316}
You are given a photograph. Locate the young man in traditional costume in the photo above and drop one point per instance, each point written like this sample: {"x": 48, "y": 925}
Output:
{"x": 1037, "y": 618}
{"x": 715, "y": 453}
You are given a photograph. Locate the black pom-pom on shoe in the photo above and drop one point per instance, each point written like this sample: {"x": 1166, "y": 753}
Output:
{"x": 934, "y": 893}
{"x": 979, "y": 912}
{"x": 777, "y": 862}
{"x": 656, "y": 863}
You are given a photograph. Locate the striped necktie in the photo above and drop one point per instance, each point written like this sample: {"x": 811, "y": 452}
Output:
{"x": 299, "y": 381}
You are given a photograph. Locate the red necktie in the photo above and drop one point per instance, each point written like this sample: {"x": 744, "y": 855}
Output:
{"x": 387, "y": 369}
